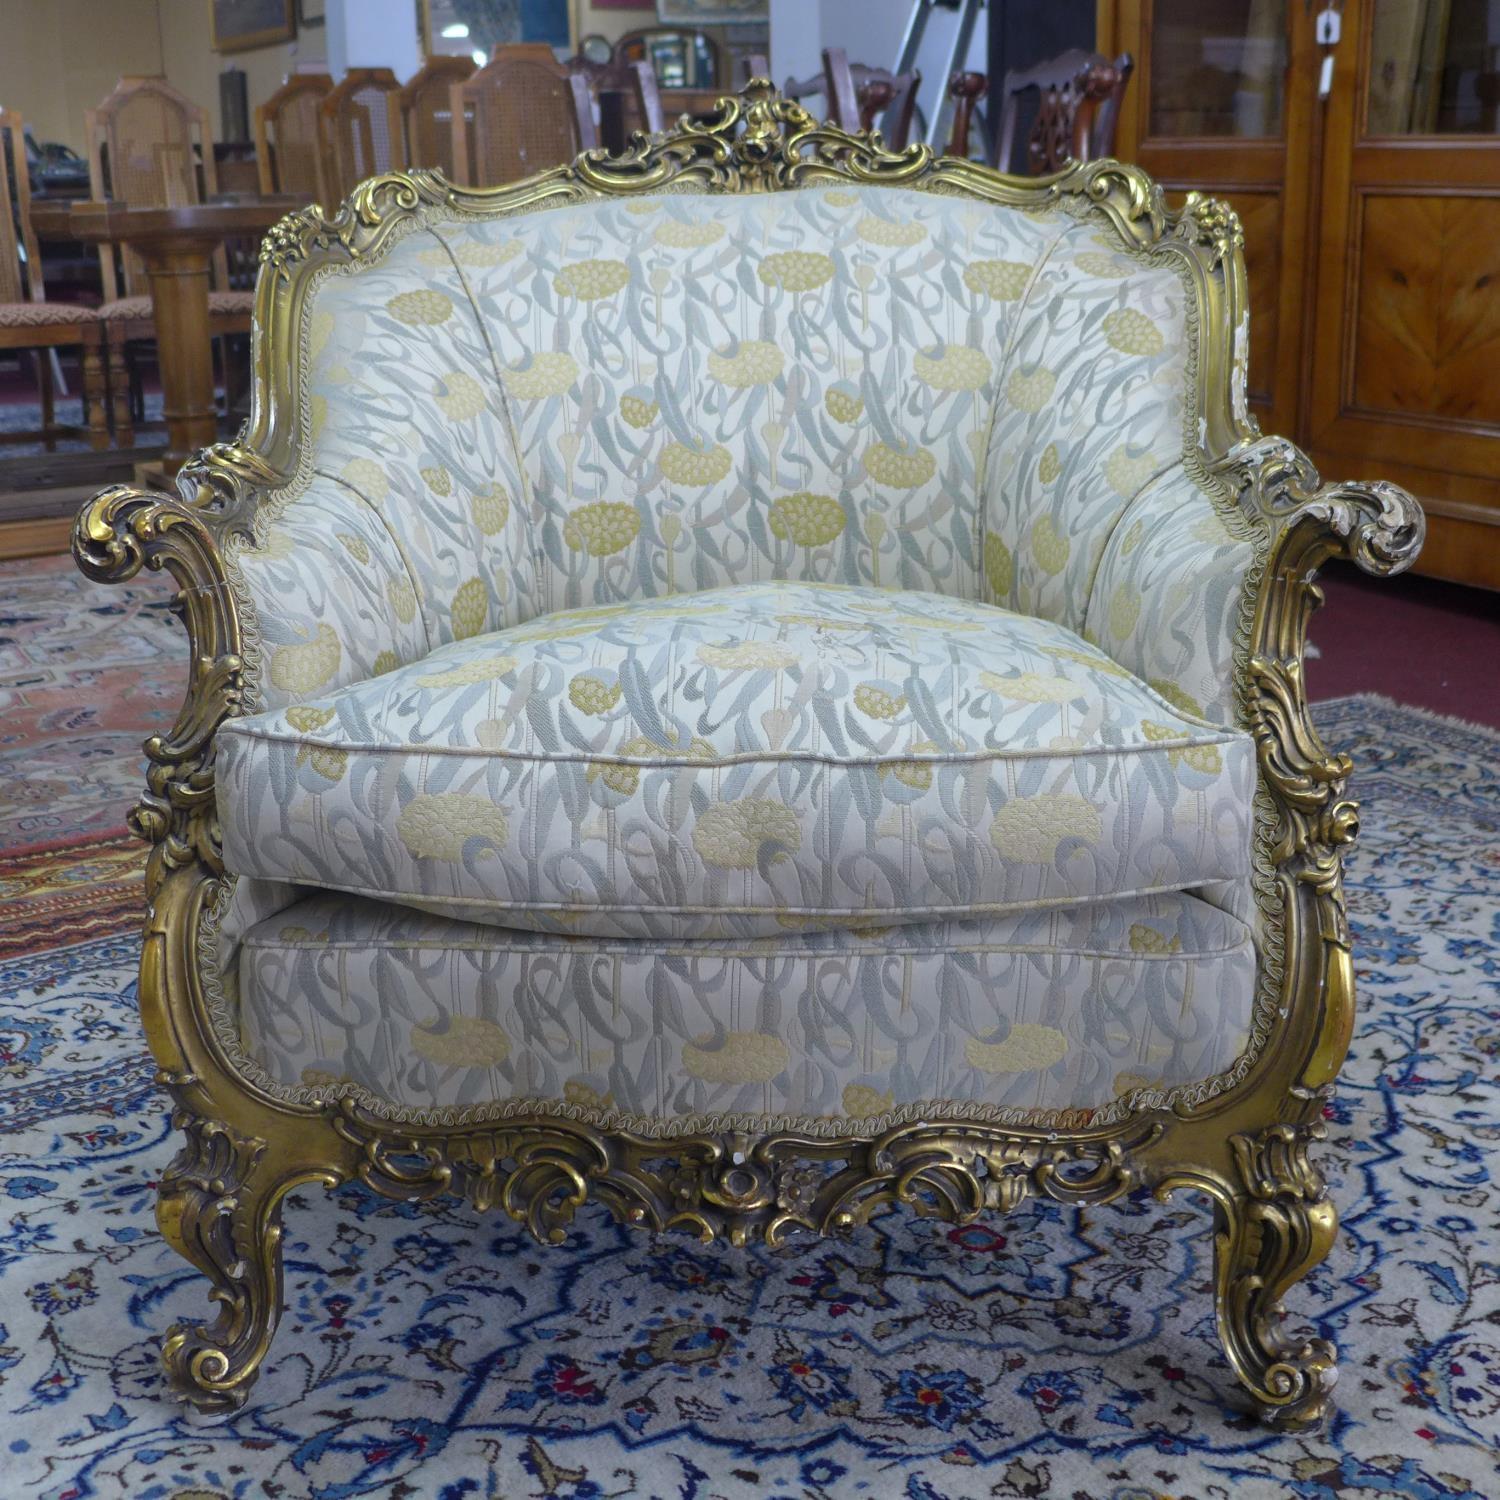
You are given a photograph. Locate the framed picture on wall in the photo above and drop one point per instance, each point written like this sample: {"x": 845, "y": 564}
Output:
{"x": 711, "y": 12}
{"x": 239, "y": 25}
{"x": 477, "y": 27}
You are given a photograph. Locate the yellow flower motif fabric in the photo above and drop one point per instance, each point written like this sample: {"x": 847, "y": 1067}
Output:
{"x": 1096, "y": 404}
{"x": 1167, "y": 601}
{"x": 628, "y": 596}
{"x": 947, "y": 375}
{"x": 590, "y": 280}
{"x": 1030, "y": 1011}
{"x": 740, "y": 762}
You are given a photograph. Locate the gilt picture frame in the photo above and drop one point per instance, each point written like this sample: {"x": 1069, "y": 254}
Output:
{"x": 712, "y": 12}
{"x": 240, "y": 25}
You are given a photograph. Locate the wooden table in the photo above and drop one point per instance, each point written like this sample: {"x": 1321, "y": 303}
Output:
{"x": 177, "y": 247}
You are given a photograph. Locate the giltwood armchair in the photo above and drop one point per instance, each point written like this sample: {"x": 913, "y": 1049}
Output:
{"x": 750, "y": 706}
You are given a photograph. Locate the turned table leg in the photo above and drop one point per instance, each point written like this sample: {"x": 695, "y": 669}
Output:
{"x": 179, "y": 275}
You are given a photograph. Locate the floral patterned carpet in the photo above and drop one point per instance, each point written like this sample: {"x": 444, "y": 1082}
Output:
{"x": 85, "y": 674}
{"x": 427, "y": 1352}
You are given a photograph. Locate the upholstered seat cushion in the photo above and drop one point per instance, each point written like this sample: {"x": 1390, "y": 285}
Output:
{"x": 43, "y": 314}
{"x": 132, "y": 309}
{"x": 743, "y": 761}
{"x": 1067, "y": 1008}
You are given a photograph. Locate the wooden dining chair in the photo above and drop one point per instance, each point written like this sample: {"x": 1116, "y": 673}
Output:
{"x": 856, "y": 96}
{"x": 1078, "y": 106}
{"x": 27, "y": 320}
{"x": 289, "y": 142}
{"x": 422, "y": 112}
{"x": 359, "y": 140}
{"x": 624, "y": 98}
{"x": 149, "y": 145}
{"x": 521, "y": 113}
{"x": 965, "y": 90}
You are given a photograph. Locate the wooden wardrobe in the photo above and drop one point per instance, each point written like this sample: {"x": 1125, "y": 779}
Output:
{"x": 1369, "y": 190}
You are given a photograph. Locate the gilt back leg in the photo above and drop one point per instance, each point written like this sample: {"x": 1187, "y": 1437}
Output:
{"x": 219, "y": 1205}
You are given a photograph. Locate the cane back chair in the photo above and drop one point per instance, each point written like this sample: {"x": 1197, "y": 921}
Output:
{"x": 289, "y": 146}
{"x": 422, "y": 111}
{"x": 615, "y": 781}
{"x": 28, "y": 322}
{"x": 361, "y": 124}
{"x": 521, "y": 113}
{"x": 150, "y": 146}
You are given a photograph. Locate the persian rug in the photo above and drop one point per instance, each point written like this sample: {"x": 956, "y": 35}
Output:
{"x": 70, "y": 892}
{"x": 86, "y": 672}
{"x": 430, "y": 1352}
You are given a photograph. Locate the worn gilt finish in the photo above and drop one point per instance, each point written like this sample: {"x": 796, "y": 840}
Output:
{"x": 1244, "y": 1145}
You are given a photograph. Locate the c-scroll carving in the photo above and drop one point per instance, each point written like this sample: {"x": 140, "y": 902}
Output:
{"x": 1380, "y": 528}
{"x": 1272, "y": 1225}
{"x": 739, "y": 1187}
{"x": 219, "y": 1206}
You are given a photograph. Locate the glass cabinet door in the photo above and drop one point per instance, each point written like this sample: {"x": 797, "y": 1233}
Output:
{"x": 1218, "y": 68}
{"x": 1434, "y": 68}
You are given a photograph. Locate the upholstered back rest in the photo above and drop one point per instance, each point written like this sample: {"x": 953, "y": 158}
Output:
{"x": 628, "y": 398}
{"x": 1093, "y": 407}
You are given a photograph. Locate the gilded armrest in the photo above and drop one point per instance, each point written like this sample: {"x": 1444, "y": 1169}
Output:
{"x": 1376, "y": 526}
{"x": 120, "y": 531}
{"x": 1379, "y": 528}
{"x": 316, "y": 595}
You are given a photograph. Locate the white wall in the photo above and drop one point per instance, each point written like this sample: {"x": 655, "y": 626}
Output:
{"x": 373, "y": 34}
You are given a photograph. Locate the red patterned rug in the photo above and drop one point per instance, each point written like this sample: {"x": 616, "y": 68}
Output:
{"x": 86, "y": 672}
{"x": 68, "y": 894}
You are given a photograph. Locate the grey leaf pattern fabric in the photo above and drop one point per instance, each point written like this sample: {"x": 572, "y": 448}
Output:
{"x": 1066, "y": 1008}
{"x": 630, "y": 398}
{"x": 765, "y": 756}
{"x": 819, "y": 567}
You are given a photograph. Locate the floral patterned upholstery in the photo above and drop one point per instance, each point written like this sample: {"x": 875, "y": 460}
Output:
{"x": 829, "y": 568}
{"x": 741, "y": 761}
{"x": 133, "y": 309}
{"x": 1065, "y": 1008}
{"x": 43, "y": 314}
{"x": 629, "y": 398}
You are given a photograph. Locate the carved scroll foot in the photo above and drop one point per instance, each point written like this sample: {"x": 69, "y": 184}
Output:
{"x": 219, "y": 1206}
{"x": 1268, "y": 1234}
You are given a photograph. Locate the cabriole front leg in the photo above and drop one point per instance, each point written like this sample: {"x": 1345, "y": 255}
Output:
{"x": 1273, "y": 1223}
{"x": 219, "y": 1206}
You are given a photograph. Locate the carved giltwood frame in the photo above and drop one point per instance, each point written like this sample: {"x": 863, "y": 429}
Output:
{"x": 1244, "y": 1145}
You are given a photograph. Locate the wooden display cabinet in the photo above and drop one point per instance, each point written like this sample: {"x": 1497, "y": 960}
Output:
{"x": 1372, "y": 226}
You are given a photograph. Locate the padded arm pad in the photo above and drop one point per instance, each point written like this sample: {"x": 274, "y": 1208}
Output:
{"x": 1169, "y": 598}
{"x": 331, "y": 598}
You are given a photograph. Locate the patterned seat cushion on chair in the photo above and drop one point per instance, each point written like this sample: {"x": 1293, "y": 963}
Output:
{"x": 1060, "y": 1008}
{"x": 43, "y": 314}
{"x": 133, "y": 309}
{"x": 742, "y": 761}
